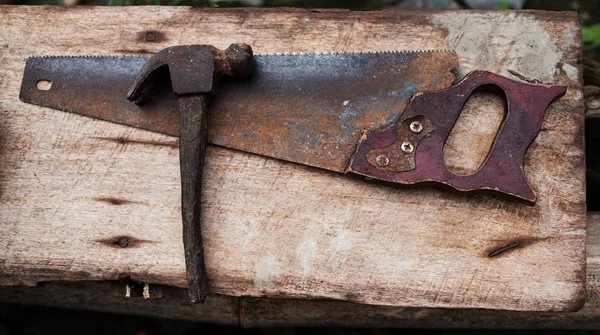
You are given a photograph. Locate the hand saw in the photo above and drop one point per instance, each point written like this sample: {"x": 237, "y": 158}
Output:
{"x": 381, "y": 115}
{"x": 345, "y": 112}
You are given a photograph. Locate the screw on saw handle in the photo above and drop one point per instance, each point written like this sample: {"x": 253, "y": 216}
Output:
{"x": 411, "y": 150}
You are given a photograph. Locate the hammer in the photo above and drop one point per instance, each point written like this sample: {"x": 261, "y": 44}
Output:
{"x": 195, "y": 71}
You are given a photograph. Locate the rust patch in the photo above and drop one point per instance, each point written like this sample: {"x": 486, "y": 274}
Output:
{"x": 270, "y": 117}
{"x": 121, "y": 242}
{"x": 513, "y": 245}
{"x": 123, "y": 140}
{"x": 116, "y": 201}
{"x": 151, "y": 36}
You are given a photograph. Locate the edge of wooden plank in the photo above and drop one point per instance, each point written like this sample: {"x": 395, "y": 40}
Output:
{"x": 264, "y": 312}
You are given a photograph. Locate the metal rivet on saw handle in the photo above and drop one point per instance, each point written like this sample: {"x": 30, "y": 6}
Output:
{"x": 382, "y": 160}
{"x": 416, "y": 127}
{"x": 407, "y": 147}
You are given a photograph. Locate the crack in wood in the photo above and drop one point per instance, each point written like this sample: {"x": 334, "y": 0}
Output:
{"x": 513, "y": 245}
{"x": 123, "y": 140}
{"x": 117, "y": 201}
{"x": 524, "y": 78}
{"x": 504, "y": 249}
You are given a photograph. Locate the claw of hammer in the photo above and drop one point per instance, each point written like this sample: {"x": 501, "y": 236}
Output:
{"x": 194, "y": 71}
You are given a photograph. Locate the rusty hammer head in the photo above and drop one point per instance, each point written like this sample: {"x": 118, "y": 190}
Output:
{"x": 194, "y": 69}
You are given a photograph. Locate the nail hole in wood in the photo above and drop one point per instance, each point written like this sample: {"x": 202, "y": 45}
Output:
{"x": 123, "y": 242}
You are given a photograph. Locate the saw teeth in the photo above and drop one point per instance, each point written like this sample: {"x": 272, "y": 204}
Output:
{"x": 353, "y": 52}
{"x": 358, "y": 52}
{"x": 90, "y": 56}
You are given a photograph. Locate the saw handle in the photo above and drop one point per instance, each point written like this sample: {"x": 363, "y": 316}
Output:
{"x": 411, "y": 150}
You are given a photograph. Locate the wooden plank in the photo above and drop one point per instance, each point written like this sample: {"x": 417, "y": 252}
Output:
{"x": 256, "y": 312}
{"x": 72, "y": 186}
{"x": 263, "y": 312}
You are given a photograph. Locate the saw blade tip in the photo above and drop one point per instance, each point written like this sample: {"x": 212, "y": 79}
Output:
{"x": 86, "y": 56}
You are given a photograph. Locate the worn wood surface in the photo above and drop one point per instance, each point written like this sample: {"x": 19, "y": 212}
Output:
{"x": 263, "y": 312}
{"x": 71, "y": 187}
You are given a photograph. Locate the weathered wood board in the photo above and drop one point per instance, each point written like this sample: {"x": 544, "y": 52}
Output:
{"x": 264, "y": 312}
{"x": 71, "y": 186}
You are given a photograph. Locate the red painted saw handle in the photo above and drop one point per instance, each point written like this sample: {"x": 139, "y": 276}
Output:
{"x": 410, "y": 151}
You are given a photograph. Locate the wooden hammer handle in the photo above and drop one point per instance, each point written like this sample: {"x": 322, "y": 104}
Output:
{"x": 193, "y": 110}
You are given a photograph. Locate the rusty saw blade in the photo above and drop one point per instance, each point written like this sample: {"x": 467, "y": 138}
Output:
{"x": 305, "y": 108}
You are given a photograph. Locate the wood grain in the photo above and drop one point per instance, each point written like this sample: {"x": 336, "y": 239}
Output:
{"x": 71, "y": 185}
{"x": 263, "y": 312}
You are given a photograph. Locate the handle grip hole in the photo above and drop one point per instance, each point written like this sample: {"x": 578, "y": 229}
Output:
{"x": 475, "y": 129}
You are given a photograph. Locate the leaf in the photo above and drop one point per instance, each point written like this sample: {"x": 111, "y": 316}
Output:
{"x": 502, "y": 5}
{"x": 590, "y": 36}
